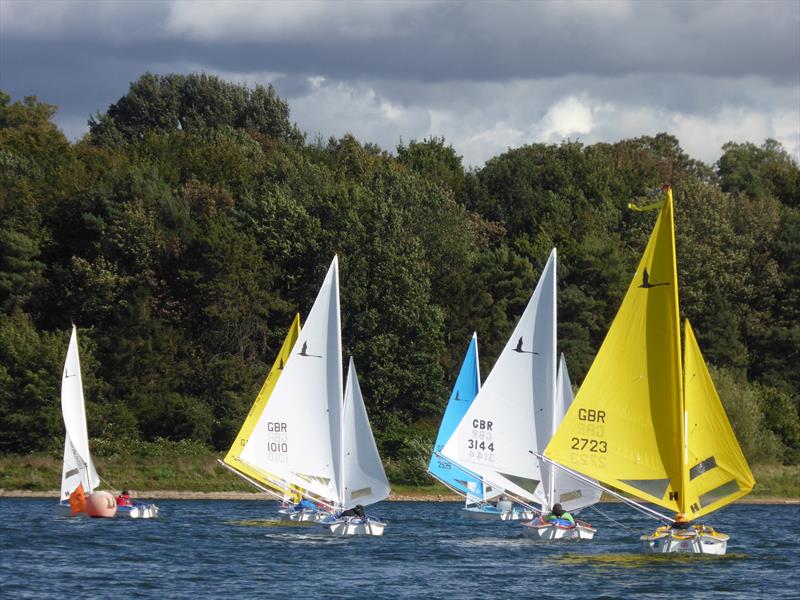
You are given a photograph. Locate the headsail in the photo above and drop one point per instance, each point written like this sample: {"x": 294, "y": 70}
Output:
{"x": 467, "y": 385}
{"x": 558, "y": 486}
{"x": 298, "y": 437}
{"x": 78, "y": 466}
{"x": 626, "y": 426}
{"x": 364, "y": 480}
{"x": 514, "y": 406}
{"x": 232, "y": 457}
{"x": 717, "y": 470}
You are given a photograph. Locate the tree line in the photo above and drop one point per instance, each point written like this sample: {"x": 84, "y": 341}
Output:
{"x": 185, "y": 230}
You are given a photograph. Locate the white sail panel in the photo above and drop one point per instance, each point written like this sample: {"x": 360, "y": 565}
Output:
{"x": 570, "y": 492}
{"x": 298, "y": 437}
{"x": 78, "y": 466}
{"x": 364, "y": 478}
{"x": 515, "y": 405}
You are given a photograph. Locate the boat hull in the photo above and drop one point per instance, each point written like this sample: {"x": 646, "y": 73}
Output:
{"x": 489, "y": 513}
{"x": 700, "y": 539}
{"x": 137, "y": 511}
{"x": 354, "y": 526}
{"x": 544, "y": 530}
{"x": 302, "y": 516}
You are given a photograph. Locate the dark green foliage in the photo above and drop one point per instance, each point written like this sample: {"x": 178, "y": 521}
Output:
{"x": 186, "y": 230}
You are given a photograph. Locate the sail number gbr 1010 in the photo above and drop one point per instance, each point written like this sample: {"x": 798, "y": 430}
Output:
{"x": 277, "y": 442}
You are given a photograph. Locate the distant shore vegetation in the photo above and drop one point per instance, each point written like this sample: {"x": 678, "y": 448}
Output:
{"x": 185, "y": 230}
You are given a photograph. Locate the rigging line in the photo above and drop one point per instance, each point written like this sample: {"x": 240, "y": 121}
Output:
{"x": 613, "y": 520}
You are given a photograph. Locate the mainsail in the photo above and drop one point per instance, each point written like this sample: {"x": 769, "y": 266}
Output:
{"x": 298, "y": 436}
{"x": 514, "y": 408}
{"x": 78, "y": 466}
{"x": 232, "y": 458}
{"x": 466, "y": 388}
{"x": 636, "y": 424}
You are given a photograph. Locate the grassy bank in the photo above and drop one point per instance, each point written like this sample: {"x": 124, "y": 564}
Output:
{"x": 190, "y": 468}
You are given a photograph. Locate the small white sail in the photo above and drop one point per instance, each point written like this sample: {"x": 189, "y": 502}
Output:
{"x": 298, "y": 437}
{"x": 557, "y": 485}
{"x": 514, "y": 408}
{"x": 364, "y": 478}
{"x": 78, "y": 466}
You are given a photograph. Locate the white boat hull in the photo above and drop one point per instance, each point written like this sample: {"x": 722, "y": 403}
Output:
{"x": 553, "y": 531}
{"x": 354, "y": 526}
{"x": 699, "y": 539}
{"x": 302, "y": 516}
{"x": 488, "y": 513}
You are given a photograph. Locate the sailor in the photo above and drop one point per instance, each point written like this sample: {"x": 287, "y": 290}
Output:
{"x": 124, "y": 499}
{"x": 305, "y": 503}
{"x": 559, "y": 514}
{"x": 681, "y": 522}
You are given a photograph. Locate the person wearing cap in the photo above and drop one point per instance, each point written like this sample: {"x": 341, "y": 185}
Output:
{"x": 558, "y": 513}
{"x": 681, "y": 522}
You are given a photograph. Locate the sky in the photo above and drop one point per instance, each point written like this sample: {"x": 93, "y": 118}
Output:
{"x": 486, "y": 76}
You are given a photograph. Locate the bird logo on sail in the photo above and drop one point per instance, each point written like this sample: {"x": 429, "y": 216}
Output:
{"x": 646, "y": 281}
{"x": 520, "y": 350}
{"x": 304, "y": 351}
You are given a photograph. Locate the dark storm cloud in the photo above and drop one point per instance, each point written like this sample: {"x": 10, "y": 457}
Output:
{"x": 514, "y": 72}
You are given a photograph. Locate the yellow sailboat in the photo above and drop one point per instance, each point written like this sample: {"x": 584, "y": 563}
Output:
{"x": 647, "y": 419}
{"x": 232, "y": 461}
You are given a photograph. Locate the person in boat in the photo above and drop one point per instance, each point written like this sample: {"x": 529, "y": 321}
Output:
{"x": 559, "y": 514}
{"x": 305, "y": 503}
{"x": 124, "y": 499}
{"x": 681, "y": 522}
{"x": 356, "y": 511}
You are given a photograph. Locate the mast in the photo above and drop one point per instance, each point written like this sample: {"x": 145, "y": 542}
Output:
{"x": 340, "y": 470}
{"x": 551, "y": 483}
{"x": 679, "y": 400}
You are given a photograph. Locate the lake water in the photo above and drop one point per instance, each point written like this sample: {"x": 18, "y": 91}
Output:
{"x": 216, "y": 549}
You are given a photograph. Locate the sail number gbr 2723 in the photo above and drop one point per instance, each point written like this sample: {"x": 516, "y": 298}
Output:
{"x": 592, "y": 425}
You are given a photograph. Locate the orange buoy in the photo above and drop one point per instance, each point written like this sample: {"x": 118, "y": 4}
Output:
{"x": 101, "y": 504}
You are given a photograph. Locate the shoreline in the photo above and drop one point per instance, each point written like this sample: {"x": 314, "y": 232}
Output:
{"x": 184, "y": 495}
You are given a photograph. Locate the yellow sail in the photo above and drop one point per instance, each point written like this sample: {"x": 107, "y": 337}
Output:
{"x": 717, "y": 470}
{"x": 232, "y": 458}
{"x": 625, "y": 425}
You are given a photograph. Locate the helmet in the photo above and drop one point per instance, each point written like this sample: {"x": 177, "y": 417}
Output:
{"x": 681, "y": 518}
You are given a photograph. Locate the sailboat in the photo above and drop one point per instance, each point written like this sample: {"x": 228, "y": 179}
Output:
{"x": 460, "y": 479}
{"x": 513, "y": 413}
{"x": 78, "y": 470}
{"x": 262, "y": 480}
{"x": 310, "y": 431}
{"x": 647, "y": 419}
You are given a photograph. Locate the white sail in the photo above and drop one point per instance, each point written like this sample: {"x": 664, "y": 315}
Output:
{"x": 78, "y": 466}
{"x": 298, "y": 437}
{"x": 557, "y": 485}
{"x": 364, "y": 478}
{"x": 514, "y": 409}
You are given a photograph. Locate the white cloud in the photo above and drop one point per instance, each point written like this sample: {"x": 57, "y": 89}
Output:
{"x": 567, "y": 118}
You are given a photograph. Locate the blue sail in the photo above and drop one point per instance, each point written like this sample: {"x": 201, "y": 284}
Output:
{"x": 466, "y": 388}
